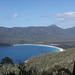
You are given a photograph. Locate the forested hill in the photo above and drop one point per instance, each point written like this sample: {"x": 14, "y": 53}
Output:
{"x": 36, "y": 34}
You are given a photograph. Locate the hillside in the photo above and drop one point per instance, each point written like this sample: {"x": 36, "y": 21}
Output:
{"x": 48, "y": 60}
{"x": 36, "y": 34}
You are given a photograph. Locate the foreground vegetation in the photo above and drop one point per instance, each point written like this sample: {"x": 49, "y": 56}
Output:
{"x": 57, "y": 63}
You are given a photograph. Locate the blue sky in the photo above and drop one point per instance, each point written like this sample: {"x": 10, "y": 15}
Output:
{"x": 23, "y": 13}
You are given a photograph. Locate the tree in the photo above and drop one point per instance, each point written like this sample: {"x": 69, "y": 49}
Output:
{"x": 23, "y": 71}
{"x": 6, "y": 60}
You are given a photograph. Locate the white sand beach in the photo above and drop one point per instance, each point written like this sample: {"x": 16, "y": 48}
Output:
{"x": 61, "y": 49}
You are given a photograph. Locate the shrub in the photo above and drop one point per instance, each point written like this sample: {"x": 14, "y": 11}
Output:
{"x": 57, "y": 70}
{"x": 6, "y": 60}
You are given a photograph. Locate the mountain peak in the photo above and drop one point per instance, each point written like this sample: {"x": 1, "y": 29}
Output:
{"x": 53, "y": 25}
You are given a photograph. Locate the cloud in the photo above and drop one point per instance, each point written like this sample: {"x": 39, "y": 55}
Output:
{"x": 15, "y": 15}
{"x": 67, "y": 18}
{"x": 71, "y": 14}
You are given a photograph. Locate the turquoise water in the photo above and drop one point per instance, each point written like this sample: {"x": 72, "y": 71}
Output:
{"x": 20, "y": 53}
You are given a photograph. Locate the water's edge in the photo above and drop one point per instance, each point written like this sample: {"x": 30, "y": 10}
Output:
{"x": 61, "y": 49}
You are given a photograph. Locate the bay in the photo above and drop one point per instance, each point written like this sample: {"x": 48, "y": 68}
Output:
{"x": 20, "y": 53}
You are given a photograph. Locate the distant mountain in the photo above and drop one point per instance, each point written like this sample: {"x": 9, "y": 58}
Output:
{"x": 36, "y": 34}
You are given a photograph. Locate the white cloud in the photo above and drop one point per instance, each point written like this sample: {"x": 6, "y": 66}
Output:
{"x": 69, "y": 14}
{"x": 15, "y": 15}
{"x": 67, "y": 18}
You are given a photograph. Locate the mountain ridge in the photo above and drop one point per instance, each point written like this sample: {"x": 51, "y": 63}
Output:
{"x": 53, "y": 25}
{"x": 36, "y": 34}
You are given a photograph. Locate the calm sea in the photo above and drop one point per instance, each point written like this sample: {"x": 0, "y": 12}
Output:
{"x": 20, "y": 53}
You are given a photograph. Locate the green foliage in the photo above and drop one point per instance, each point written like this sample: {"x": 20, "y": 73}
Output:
{"x": 6, "y": 60}
{"x": 23, "y": 71}
{"x": 64, "y": 71}
{"x": 61, "y": 71}
{"x": 57, "y": 70}
{"x": 10, "y": 73}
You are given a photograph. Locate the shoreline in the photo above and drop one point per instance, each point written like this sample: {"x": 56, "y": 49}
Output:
{"x": 61, "y": 49}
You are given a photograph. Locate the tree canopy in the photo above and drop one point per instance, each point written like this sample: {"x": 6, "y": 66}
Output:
{"x": 6, "y": 60}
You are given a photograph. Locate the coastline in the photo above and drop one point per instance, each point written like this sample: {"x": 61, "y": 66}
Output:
{"x": 61, "y": 49}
